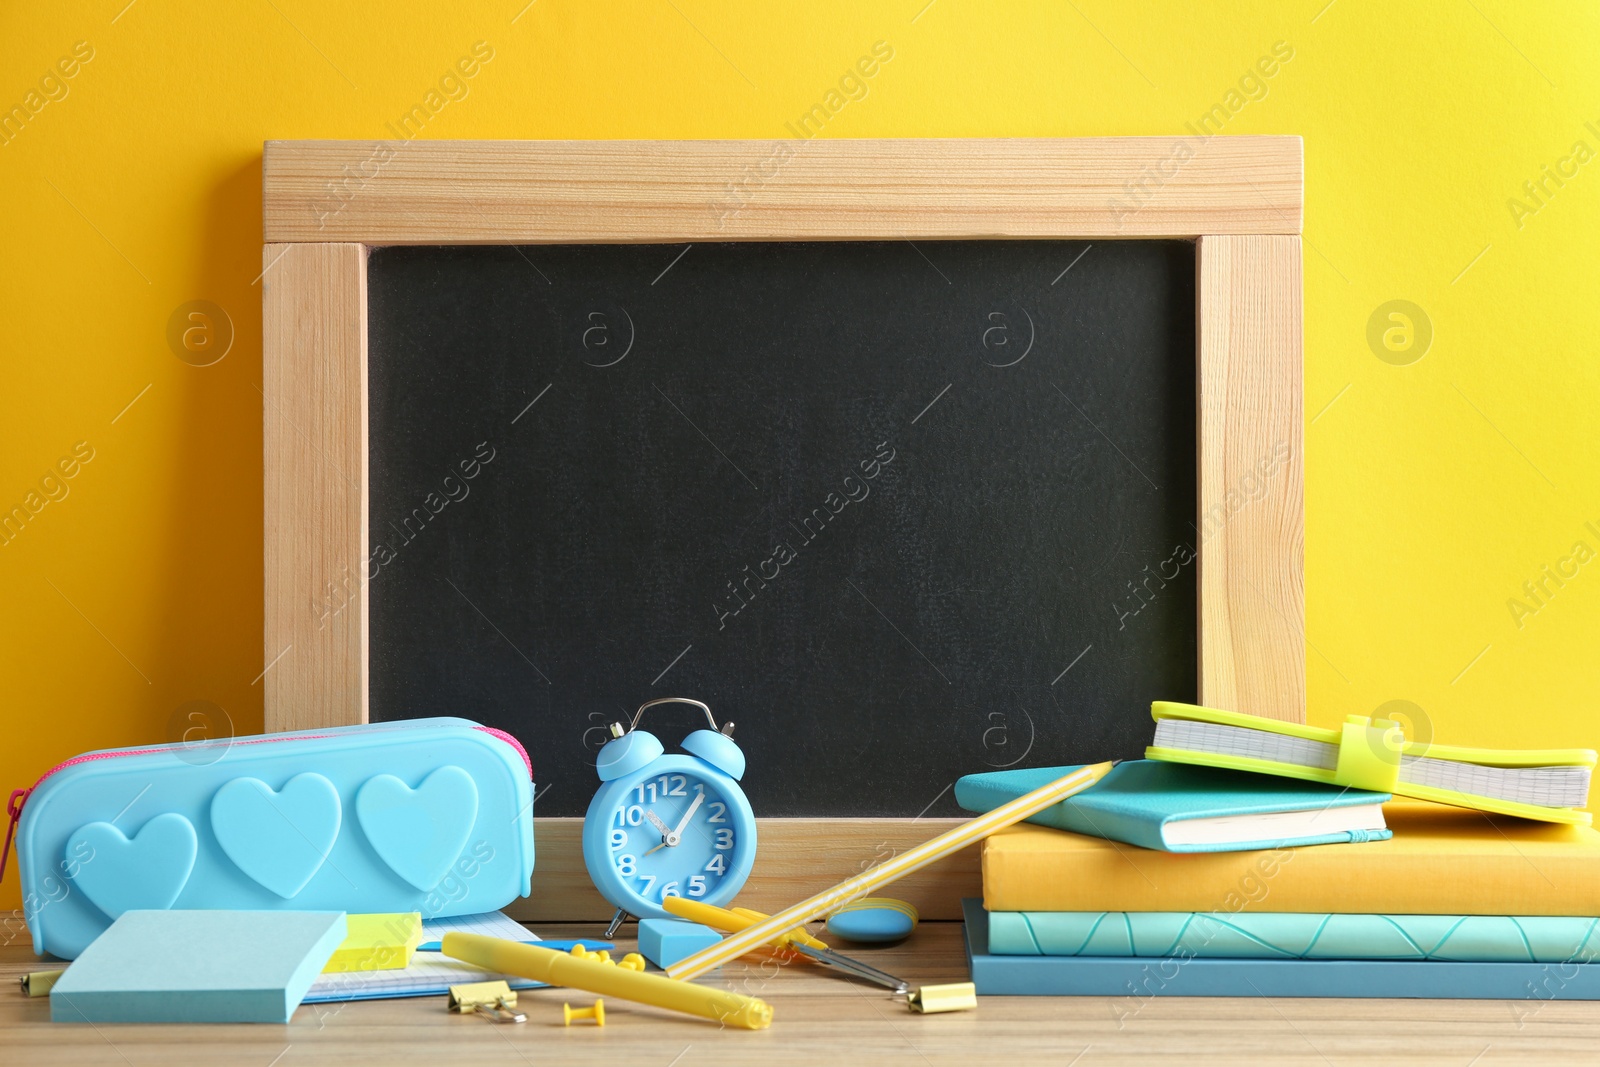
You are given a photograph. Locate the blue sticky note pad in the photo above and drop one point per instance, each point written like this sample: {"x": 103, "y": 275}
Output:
{"x": 198, "y": 966}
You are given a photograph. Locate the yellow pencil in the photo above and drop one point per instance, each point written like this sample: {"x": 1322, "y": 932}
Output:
{"x": 559, "y": 968}
{"x": 736, "y": 945}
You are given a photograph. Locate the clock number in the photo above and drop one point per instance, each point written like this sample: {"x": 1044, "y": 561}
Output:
{"x": 670, "y": 890}
{"x": 627, "y": 863}
{"x": 724, "y": 839}
{"x": 718, "y": 865}
{"x": 697, "y": 884}
{"x": 666, "y": 786}
{"x": 648, "y": 880}
{"x": 634, "y": 815}
{"x": 717, "y": 809}
{"x": 618, "y": 839}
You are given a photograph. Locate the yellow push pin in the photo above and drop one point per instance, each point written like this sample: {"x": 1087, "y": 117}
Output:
{"x": 603, "y": 956}
{"x": 632, "y": 962}
{"x": 579, "y": 952}
{"x": 597, "y": 1013}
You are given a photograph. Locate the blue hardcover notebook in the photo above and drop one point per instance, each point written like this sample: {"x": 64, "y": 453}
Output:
{"x": 198, "y": 967}
{"x": 1178, "y": 807}
{"x": 1131, "y": 980}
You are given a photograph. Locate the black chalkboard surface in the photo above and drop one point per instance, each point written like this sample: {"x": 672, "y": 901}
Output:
{"x": 902, "y": 511}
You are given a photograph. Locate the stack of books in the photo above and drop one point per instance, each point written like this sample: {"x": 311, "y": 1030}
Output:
{"x": 1190, "y": 876}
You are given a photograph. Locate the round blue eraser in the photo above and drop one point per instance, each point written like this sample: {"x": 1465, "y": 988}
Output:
{"x": 873, "y": 919}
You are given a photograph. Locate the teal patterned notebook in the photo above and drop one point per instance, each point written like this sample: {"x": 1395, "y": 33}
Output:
{"x": 1129, "y": 981}
{"x": 1286, "y": 935}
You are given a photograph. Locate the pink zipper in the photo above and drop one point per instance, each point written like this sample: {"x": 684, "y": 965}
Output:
{"x": 19, "y": 797}
{"x": 14, "y": 811}
{"x": 502, "y": 735}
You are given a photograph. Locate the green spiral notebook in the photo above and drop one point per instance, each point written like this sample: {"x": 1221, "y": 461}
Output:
{"x": 1551, "y": 785}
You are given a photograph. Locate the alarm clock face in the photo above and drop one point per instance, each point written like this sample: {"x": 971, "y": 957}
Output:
{"x": 680, "y": 830}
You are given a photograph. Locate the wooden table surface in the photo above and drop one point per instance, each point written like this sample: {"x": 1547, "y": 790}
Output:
{"x": 822, "y": 1019}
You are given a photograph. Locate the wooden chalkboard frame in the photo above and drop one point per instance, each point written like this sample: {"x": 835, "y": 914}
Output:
{"x": 325, "y": 203}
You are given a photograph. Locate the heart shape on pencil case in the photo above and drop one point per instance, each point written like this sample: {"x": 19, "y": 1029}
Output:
{"x": 147, "y": 871}
{"x": 280, "y": 839}
{"x": 419, "y": 832}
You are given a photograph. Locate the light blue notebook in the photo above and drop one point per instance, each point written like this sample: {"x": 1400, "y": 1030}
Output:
{"x": 198, "y": 967}
{"x": 1295, "y": 935}
{"x": 1178, "y": 807}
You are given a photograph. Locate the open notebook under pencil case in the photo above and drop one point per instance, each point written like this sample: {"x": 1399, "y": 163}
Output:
{"x": 426, "y": 815}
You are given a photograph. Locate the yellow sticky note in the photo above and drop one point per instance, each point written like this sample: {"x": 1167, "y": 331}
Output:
{"x": 379, "y": 942}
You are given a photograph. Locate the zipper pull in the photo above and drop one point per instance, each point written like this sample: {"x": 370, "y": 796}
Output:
{"x": 19, "y": 797}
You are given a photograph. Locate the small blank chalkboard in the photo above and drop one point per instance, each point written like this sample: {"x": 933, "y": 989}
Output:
{"x": 902, "y": 511}
{"x": 912, "y": 457}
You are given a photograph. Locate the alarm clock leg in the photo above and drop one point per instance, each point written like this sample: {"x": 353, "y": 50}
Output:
{"x": 616, "y": 922}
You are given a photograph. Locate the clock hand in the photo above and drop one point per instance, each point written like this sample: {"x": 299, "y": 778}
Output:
{"x": 666, "y": 831}
{"x": 677, "y": 834}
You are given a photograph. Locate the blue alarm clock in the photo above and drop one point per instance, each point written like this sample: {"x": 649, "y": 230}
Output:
{"x": 668, "y": 825}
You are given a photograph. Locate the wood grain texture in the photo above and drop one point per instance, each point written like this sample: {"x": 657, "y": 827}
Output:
{"x": 796, "y": 858}
{"x": 819, "y": 1018}
{"x": 1252, "y": 476}
{"x": 504, "y": 192}
{"x": 314, "y": 438}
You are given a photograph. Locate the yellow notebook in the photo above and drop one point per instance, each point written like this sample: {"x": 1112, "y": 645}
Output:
{"x": 1551, "y": 785}
{"x": 1441, "y": 861}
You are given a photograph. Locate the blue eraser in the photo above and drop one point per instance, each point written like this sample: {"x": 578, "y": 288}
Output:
{"x": 873, "y": 919}
{"x": 666, "y": 941}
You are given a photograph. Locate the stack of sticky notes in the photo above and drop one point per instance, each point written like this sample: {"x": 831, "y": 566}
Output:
{"x": 377, "y": 942}
{"x": 258, "y": 966}
{"x": 198, "y": 966}
{"x": 1172, "y": 879}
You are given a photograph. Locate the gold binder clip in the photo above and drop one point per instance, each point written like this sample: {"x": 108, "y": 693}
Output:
{"x": 495, "y": 999}
{"x": 961, "y": 996}
{"x": 39, "y": 983}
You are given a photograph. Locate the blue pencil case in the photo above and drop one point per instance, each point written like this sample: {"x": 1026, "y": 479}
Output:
{"x": 426, "y": 815}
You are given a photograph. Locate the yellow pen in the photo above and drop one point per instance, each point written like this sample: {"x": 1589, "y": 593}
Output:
{"x": 559, "y": 968}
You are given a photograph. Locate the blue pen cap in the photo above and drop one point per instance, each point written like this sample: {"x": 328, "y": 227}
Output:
{"x": 717, "y": 750}
{"x": 631, "y": 752}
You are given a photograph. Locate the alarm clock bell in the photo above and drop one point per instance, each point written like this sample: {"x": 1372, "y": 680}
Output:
{"x": 631, "y": 748}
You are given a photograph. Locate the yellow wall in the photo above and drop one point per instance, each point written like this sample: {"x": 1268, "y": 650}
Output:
{"x": 1433, "y": 490}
